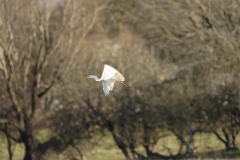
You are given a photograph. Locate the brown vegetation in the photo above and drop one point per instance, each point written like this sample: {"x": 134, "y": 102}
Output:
{"x": 181, "y": 57}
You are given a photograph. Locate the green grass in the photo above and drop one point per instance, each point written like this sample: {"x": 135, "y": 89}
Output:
{"x": 207, "y": 146}
{"x": 106, "y": 149}
{"x": 18, "y": 149}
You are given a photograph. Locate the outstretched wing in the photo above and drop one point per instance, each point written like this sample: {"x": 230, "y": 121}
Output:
{"x": 107, "y": 86}
{"x": 111, "y": 73}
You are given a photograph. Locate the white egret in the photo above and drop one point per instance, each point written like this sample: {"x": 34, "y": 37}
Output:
{"x": 109, "y": 77}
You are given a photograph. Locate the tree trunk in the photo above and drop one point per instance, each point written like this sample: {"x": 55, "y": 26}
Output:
{"x": 79, "y": 152}
{"x": 190, "y": 132}
{"x": 29, "y": 142}
{"x": 10, "y": 153}
{"x": 30, "y": 148}
{"x": 120, "y": 144}
{"x": 228, "y": 138}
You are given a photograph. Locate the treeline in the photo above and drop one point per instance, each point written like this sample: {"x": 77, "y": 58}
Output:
{"x": 181, "y": 56}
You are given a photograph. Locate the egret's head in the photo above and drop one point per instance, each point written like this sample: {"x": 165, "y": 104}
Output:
{"x": 94, "y": 77}
{"x": 89, "y": 76}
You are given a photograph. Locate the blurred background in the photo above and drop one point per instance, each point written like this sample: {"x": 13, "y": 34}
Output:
{"x": 181, "y": 56}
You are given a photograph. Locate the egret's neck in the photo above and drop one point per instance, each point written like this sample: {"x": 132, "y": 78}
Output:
{"x": 95, "y": 77}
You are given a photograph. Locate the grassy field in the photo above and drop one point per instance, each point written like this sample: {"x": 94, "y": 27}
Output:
{"x": 207, "y": 146}
{"x": 17, "y": 150}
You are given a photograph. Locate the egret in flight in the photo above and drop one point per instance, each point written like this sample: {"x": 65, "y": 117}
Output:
{"x": 109, "y": 77}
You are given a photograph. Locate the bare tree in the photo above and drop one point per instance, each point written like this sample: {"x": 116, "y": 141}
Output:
{"x": 226, "y": 105}
{"x": 38, "y": 43}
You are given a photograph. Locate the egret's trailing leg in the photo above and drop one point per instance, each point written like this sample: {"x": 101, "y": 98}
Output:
{"x": 128, "y": 86}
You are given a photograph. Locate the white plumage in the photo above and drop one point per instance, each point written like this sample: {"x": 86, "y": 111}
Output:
{"x": 109, "y": 77}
